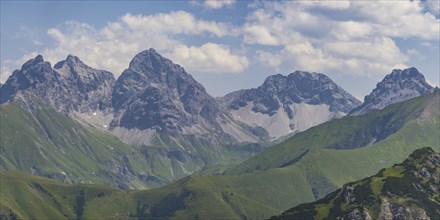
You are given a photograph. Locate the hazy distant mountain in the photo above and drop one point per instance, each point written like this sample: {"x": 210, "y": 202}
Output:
{"x": 409, "y": 190}
{"x": 399, "y": 85}
{"x": 288, "y": 104}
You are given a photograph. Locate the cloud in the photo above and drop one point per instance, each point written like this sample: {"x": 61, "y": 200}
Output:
{"x": 413, "y": 53}
{"x": 350, "y": 37}
{"x": 400, "y": 19}
{"x": 433, "y": 6}
{"x": 6, "y": 71}
{"x": 329, "y": 4}
{"x": 210, "y": 57}
{"x": 258, "y": 34}
{"x": 218, "y": 4}
{"x": 114, "y": 45}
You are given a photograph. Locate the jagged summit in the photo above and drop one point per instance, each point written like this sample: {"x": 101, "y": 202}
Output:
{"x": 38, "y": 59}
{"x": 71, "y": 86}
{"x": 32, "y": 73}
{"x": 151, "y": 62}
{"x": 406, "y": 73}
{"x": 286, "y": 104}
{"x": 70, "y": 60}
{"x": 158, "y": 94}
{"x": 297, "y": 87}
{"x": 398, "y": 86}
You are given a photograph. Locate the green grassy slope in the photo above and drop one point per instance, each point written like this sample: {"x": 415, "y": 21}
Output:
{"x": 407, "y": 191}
{"x": 356, "y": 131}
{"x": 302, "y": 169}
{"x": 49, "y": 144}
{"x": 214, "y": 197}
{"x": 31, "y": 197}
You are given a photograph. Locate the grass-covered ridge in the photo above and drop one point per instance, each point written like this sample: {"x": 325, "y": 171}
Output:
{"x": 409, "y": 190}
{"x": 49, "y": 144}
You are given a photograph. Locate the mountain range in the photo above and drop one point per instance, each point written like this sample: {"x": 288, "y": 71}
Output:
{"x": 161, "y": 110}
{"x": 293, "y": 140}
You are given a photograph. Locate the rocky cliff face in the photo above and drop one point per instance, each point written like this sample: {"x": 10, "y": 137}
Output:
{"x": 398, "y": 86}
{"x": 71, "y": 86}
{"x": 288, "y": 104}
{"x": 409, "y": 190}
{"x": 156, "y": 95}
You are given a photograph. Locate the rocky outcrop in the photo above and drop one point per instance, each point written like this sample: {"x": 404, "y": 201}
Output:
{"x": 409, "y": 190}
{"x": 398, "y": 86}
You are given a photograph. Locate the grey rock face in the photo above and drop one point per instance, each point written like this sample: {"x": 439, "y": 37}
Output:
{"x": 398, "y": 86}
{"x": 69, "y": 86}
{"x": 279, "y": 91}
{"x": 158, "y": 94}
{"x": 284, "y": 105}
{"x": 91, "y": 87}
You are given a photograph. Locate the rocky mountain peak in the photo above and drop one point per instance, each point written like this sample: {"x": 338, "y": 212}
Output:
{"x": 155, "y": 93}
{"x": 70, "y": 86}
{"x": 406, "y": 73}
{"x": 398, "y": 86}
{"x": 32, "y": 74}
{"x": 70, "y": 61}
{"x": 297, "y": 87}
{"x": 36, "y": 68}
{"x": 32, "y": 62}
{"x": 287, "y": 104}
{"x": 152, "y": 62}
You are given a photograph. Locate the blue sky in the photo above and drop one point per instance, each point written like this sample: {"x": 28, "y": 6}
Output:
{"x": 230, "y": 45}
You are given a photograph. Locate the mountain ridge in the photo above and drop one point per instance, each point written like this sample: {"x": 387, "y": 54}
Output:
{"x": 407, "y": 190}
{"x": 70, "y": 86}
{"x": 399, "y": 85}
{"x": 292, "y": 103}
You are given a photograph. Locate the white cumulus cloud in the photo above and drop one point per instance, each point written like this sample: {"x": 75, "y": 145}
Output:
{"x": 350, "y": 37}
{"x": 217, "y": 4}
{"x": 114, "y": 45}
{"x": 209, "y": 57}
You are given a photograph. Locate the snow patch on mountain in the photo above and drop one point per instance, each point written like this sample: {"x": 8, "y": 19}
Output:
{"x": 279, "y": 124}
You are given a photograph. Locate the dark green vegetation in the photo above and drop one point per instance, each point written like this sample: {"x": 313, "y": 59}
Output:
{"x": 409, "y": 190}
{"x": 32, "y": 197}
{"x": 301, "y": 169}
